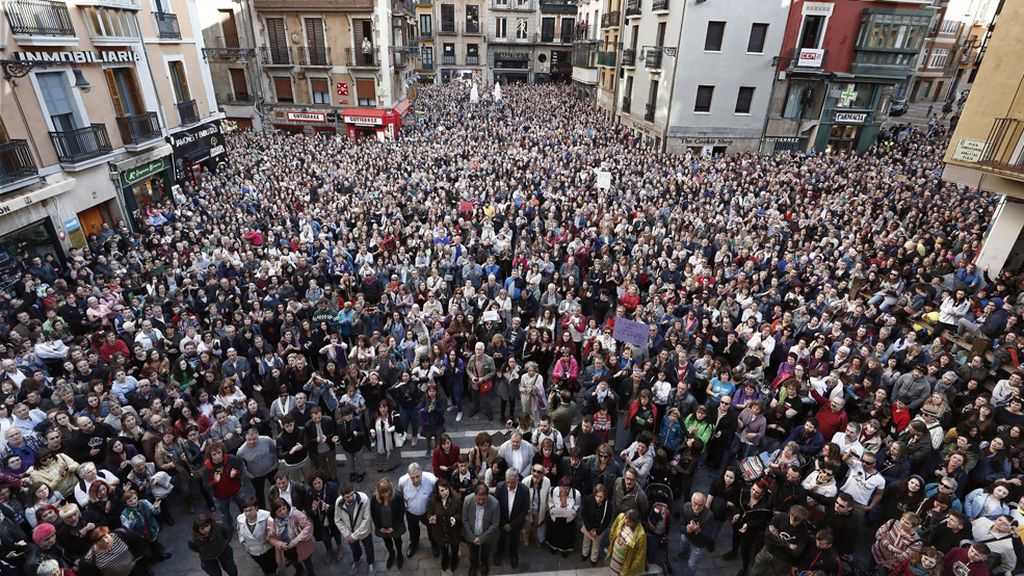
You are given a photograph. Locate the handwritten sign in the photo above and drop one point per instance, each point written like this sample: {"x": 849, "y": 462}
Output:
{"x": 630, "y": 332}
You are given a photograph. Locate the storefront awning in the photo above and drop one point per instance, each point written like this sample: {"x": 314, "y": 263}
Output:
{"x": 403, "y": 107}
{"x": 364, "y": 116}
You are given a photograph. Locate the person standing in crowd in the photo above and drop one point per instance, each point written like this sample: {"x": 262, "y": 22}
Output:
{"x": 481, "y": 519}
{"x": 388, "y": 514}
{"x": 514, "y": 505}
{"x": 627, "y": 548}
{"x": 388, "y": 434}
{"x": 291, "y": 535}
{"x": 595, "y": 518}
{"x": 352, "y": 515}
{"x": 444, "y": 519}
{"x": 259, "y": 457}
{"x": 253, "y": 534}
{"x": 322, "y": 495}
{"x": 212, "y": 541}
{"x": 415, "y": 489}
{"x": 353, "y": 438}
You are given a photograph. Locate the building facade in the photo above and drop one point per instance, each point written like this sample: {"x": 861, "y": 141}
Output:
{"x": 587, "y": 48}
{"x": 987, "y": 148}
{"x": 553, "y": 56}
{"x": 512, "y": 40}
{"x": 460, "y": 39}
{"x": 106, "y": 106}
{"x": 609, "y": 59}
{"x": 837, "y": 69}
{"x": 232, "y": 57}
{"x": 318, "y": 58}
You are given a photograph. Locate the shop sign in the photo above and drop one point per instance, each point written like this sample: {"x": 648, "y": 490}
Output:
{"x": 851, "y": 117}
{"x": 79, "y": 56}
{"x": 195, "y": 145}
{"x": 810, "y": 58}
{"x": 707, "y": 141}
{"x": 969, "y": 150}
{"x": 316, "y": 117}
{"x": 143, "y": 171}
{"x": 75, "y": 233}
{"x": 364, "y": 120}
{"x": 817, "y": 9}
{"x": 520, "y": 56}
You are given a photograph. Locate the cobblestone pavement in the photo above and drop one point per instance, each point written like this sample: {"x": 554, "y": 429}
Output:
{"x": 531, "y": 560}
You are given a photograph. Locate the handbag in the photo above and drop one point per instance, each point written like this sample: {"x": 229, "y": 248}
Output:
{"x": 752, "y": 468}
{"x": 486, "y": 386}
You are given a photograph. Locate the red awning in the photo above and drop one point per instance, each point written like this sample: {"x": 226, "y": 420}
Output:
{"x": 403, "y": 107}
{"x": 365, "y": 112}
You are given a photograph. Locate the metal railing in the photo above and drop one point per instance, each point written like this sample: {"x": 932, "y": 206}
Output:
{"x": 315, "y": 56}
{"x": 39, "y": 18}
{"x": 167, "y": 25}
{"x": 447, "y": 29}
{"x": 426, "y": 65}
{"x": 649, "y": 112}
{"x": 606, "y": 59}
{"x": 472, "y": 29}
{"x": 356, "y": 58}
{"x": 448, "y": 60}
{"x": 1003, "y": 147}
{"x": 610, "y": 20}
{"x": 626, "y": 104}
{"x": 659, "y": 5}
{"x": 633, "y": 8}
{"x": 424, "y": 36}
{"x": 188, "y": 111}
{"x": 16, "y": 161}
{"x": 652, "y": 60}
{"x": 139, "y": 128}
{"x": 473, "y": 60}
{"x": 81, "y": 144}
{"x": 276, "y": 55}
{"x": 629, "y": 57}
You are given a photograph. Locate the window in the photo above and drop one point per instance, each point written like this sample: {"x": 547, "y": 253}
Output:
{"x": 228, "y": 28}
{"x": 110, "y": 22}
{"x": 713, "y": 40}
{"x": 427, "y": 56}
{"x": 283, "y": 89}
{"x": 239, "y": 84}
{"x": 179, "y": 81}
{"x": 448, "y": 54}
{"x": 320, "y": 90}
{"x": 743, "y": 99}
{"x": 277, "y": 37}
{"x": 501, "y": 27}
{"x": 758, "y": 33}
{"x": 521, "y": 29}
{"x": 366, "y": 90}
{"x": 472, "y": 54}
{"x": 812, "y": 31}
{"x": 796, "y": 100}
{"x": 660, "y": 41}
{"x": 568, "y": 25}
{"x": 938, "y": 58}
{"x": 56, "y": 93}
{"x": 547, "y": 30}
{"x": 472, "y": 19}
{"x": 704, "y": 94}
{"x": 652, "y": 94}
{"x": 426, "y": 26}
{"x": 447, "y": 17}
{"x": 124, "y": 91}
{"x": 316, "y": 45}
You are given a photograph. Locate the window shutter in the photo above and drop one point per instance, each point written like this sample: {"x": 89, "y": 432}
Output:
{"x": 713, "y": 41}
{"x": 758, "y": 33}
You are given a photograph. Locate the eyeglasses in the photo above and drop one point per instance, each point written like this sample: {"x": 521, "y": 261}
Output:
{"x": 538, "y": 471}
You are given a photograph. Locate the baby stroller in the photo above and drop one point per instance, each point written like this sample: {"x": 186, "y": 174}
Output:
{"x": 658, "y": 522}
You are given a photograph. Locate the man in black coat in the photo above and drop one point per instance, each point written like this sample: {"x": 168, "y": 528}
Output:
{"x": 513, "y": 504}
{"x": 292, "y": 492}
{"x": 352, "y": 437}
{"x": 725, "y": 430}
{"x": 86, "y": 444}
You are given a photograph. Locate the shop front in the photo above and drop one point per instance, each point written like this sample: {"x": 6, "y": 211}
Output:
{"x": 196, "y": 150}
{"x": 382, "y": 124}
{"x": 306, "y": 122}
{"x": 145, "y": 181}
{"x": 511, "y": 67}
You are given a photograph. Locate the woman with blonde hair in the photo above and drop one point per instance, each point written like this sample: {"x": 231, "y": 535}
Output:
{"x": 388, "y": 515}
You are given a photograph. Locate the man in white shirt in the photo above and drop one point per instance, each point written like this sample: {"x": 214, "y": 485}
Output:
{"x": 416, "y": 488}
{"x": 545, "y": 431}
{"x": 997, "y": 534}
{"x": 848, "y": 440}
{"x": 864, "y": 484}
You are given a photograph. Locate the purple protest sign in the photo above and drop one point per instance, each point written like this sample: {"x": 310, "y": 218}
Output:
{"x": 630, "y": 332}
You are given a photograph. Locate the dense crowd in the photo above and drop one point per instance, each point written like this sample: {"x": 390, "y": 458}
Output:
{"x": 819, "y": 339}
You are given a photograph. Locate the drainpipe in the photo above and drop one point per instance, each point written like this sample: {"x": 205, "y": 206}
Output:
{"x": 672, "y": 88}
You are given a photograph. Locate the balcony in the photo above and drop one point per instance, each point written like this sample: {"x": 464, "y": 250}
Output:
{"x": 629, "y": 57}
{"x": 473, "y": 60}
{"x": 626, "y": 103}
{"x": 447, "y": 29}
{"x": 239, "y": 98}
{"x": 556, "y": 7}
{"x": 472, "y": 29}
{"x": 81, "y": 144}
{"x": 39, "y": 18}
{"x": 448, "y": 60}
{"x": 633, "y": 8}
{"x": 512, "y": 5}
{"x": 139, "y": 128}
{"x": 16, "y": 162}
{"x": 425, "y": 36}
{"x": 315, "y": 56}
{"x": 188, "y": 111}
{"x": 167, "y": 25}
{"x": 652, "y": 59}
{"x": 659, "y": 6}
{"x": 276, "y": 55}
{"x": 1003, "y": 150}
{"x": 426, "y": 66}
{"x": 606, "y": 59}
{"x": 359, "y": 59}
{"x": 649, "y": 112}
{"x": 610, "y": 20}
{"x": 423, "y": 2}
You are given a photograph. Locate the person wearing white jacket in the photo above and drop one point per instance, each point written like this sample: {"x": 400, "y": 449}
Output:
{"x": 251, "y": 527}
{"x": 539, "y": 487}
{"x": 352, "y": 516}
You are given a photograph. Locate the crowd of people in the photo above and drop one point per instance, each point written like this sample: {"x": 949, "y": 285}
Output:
{"x": 819, "y": 341}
